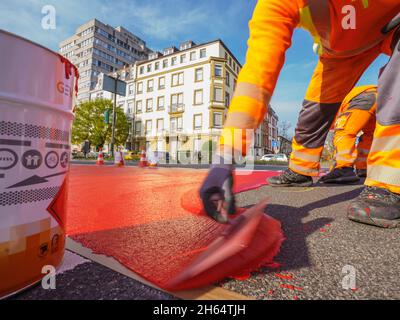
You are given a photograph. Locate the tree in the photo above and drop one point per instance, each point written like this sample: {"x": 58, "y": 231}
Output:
{"x": 284, "y": 127}
{"x": 90, "y": 124}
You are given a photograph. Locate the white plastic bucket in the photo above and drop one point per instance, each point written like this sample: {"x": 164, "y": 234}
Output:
{"x": 36, "y": 99}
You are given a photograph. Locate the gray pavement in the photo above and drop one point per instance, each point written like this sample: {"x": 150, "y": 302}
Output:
{"x": 320, "y": 241}
{"x": 87, "y": 280}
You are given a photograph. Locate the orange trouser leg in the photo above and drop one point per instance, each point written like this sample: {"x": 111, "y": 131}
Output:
{"x": 384, "y": 158}
{"x": 365, "y": 143}
{"x": 346, "y": 136}
{"x": 333, "y": 79}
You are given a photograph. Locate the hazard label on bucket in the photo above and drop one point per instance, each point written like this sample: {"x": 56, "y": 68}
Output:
{"x": 58, "y": 205}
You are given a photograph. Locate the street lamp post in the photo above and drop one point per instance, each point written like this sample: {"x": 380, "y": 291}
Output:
{"x": 114, "y": 115}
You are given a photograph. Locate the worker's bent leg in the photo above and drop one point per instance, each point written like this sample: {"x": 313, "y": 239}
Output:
{"x": 365, "y": 143}
{"x": 332, "y": 81}
{"x": 347, "y": 127}
{"x": 379, "y": 203}
{"x": 383, "y": 160}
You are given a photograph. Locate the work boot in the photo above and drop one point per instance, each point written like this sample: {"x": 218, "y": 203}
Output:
{"x": 290, "y": 179}
{"x": 362, "y": 173}
{"x": 340, "y": 175}
{"x": 376, "y": 206}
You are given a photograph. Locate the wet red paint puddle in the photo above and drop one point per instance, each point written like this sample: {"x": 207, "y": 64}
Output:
{"x": 151, "y": 220}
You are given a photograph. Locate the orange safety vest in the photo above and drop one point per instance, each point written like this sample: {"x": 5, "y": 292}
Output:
{"x": 326, "y": 20}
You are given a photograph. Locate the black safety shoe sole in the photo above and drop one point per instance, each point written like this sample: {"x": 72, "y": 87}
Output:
{"x": 360, "y": 211}
{"x": 292, "y": 184}
{"x": 341, "y": 180}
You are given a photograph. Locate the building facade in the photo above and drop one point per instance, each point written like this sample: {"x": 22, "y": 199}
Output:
{"x": 182, "y": 97}
{"x": 99, "y": 48}
{"x": 285, "y": 145}
{"x": 178, "y": 99}
{"x": 269, "y": 132}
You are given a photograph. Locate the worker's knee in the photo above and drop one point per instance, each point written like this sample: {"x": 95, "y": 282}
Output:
{"x": 364, "y": 101}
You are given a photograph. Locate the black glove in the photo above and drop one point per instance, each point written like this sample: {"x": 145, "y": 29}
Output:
{"x": 216, "y": 193}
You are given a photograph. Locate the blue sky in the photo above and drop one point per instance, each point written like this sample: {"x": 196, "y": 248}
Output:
{"x": 162, "y": 23}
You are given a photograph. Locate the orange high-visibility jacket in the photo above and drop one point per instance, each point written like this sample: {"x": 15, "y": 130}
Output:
{"x": 271, "y": 30}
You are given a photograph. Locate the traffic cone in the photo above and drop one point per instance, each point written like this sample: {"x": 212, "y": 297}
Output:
{"x": 143, "y": 160}
{"x": 100, "y": 158}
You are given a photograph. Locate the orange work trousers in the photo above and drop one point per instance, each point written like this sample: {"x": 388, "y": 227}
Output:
{"x": 356, "y": 116}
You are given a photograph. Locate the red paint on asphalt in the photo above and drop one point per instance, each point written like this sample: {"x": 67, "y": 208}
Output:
{"x": 134, "y": 215}
{"x": 284, "y": 276}
{"x": 291, "y": 287}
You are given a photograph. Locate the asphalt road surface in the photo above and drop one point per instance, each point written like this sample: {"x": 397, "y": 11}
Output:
{"x": 320, "y": 242}
{"x": 322, "y": 249}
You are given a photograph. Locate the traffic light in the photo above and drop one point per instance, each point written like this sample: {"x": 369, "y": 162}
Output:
{"x": 107, "y": 116}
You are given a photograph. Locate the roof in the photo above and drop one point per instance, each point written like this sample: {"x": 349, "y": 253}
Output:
{"x": 194, "y": 47}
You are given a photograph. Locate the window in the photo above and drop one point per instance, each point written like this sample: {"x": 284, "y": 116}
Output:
{"x": 173, "y": 61}
{"x": 141, "y": 70}
{"x": 149, "y": 126}
{"x": 218, "y": 94}
{"x": 165, "y": 63}
{"x": 160, "y": 125}
{"x": 150, "y": 85}
{"x": 138, "y": 127}
{"x": 228, "y": 79}
{"x": 157, "y": 66}
{"x": 140, "y": 87}
{"x": 176, "y": 124}
{"x": 234, "y": 84}
{"x": 193, "y": 55}
{"x": 198, "y": 97}
{"x": 149, "y": 105}
{"x": 139, "y": 106}
{"x": 131, "y": 89}
{"x": 218, "y": 70}
{"x": 161, "y": 83}
{"x": 203, "y": 53}
{"x": 198, "y": 75}
{"x": 176, "y": 102}
{"x": 160, "y": 103}
{"x": 227, "y": 99}
{"x": 217, "y": 119}
{"x": 177, "y": 79}
{"x": 149, "y": 68}
{"x": 130, "y": 108}
{"x": 197, "y": 122}
{"x": 183, "y": 58}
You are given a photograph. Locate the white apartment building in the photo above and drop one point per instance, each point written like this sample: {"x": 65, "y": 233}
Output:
{"x": 177, "y": 100}
{"x": 99, "y": 48}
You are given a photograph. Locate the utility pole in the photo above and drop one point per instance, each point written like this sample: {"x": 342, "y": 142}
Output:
{"x": 114, "y": 115}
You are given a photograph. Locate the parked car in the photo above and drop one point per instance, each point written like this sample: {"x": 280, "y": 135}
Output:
{"x": 267, "y": 157}
{"x": 274, "y": 157}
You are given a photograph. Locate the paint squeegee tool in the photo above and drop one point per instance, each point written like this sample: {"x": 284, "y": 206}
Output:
{"x": 233, "y": 240}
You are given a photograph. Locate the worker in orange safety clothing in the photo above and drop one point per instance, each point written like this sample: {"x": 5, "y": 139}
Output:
{"x": 356, "y": 115}
{"x": 349, "y": 35}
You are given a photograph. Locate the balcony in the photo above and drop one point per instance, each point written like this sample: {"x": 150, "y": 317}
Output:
{"x": 176, "y": 108}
